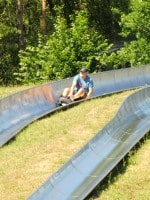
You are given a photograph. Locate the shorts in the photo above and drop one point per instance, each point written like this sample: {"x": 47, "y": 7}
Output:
{"x": 85, "y": 92}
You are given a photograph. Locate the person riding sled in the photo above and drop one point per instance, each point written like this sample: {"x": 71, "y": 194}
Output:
{"x": 82, "y": 87}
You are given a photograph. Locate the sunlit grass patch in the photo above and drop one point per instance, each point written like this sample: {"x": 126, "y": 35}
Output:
{"x": 5, "y": 91}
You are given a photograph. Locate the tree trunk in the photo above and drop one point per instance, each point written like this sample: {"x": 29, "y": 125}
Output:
{"x": 44, "y": 16}
{"x": 20, "y": 25}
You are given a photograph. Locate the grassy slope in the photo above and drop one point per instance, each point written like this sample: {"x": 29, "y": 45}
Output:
{"x": 41, "y": 148}
{"x": 5, "y": 91}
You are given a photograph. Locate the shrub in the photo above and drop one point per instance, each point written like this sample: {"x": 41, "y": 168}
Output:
{"x": 65, "y": 52}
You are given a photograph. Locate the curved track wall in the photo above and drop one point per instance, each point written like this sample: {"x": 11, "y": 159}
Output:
{"x": 97, "y": 158}
{"x": 78, "y": 177}
{"x": 20, "y": 109}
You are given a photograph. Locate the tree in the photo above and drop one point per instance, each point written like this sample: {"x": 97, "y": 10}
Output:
{"x": 136, "y": 23}
{"x": 105, "y": 15}
{"x": 67, "y": 50}
{"x": 44, "y": 26}
{"x": 135, "y": 26}
{"x": 64, "y": 8}
{"x": 20, "y": 25}
{"x": 8, "y": 41}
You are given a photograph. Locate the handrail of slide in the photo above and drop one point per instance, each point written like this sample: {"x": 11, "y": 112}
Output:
{"x": 79, "y": 176}
{"x": 20, "y": 109}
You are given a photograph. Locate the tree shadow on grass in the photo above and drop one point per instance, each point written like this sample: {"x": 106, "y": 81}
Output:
{"x": 121, "y": 168}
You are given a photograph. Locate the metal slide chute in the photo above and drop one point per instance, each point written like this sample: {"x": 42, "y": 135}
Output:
{"x": 100, "y": 155}
{"x": 79, "y": 176}
{"x": 20, "y": 109}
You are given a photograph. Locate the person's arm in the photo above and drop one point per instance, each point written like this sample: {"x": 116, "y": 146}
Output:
{"x": 89, "y": 93}
{"x": 74, "y": 83}
{"x": 72, "y": 89}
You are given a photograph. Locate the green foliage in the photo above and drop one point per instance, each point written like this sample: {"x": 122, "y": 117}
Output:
{"x": 8, "y": 42}
{"x": 105, "y": 16}
{"x": 65, "y": 52}
{"x": 71, "y": 42}
{"x": 9, "y": 35}
{"x": 137, "y": 22}
{"x": 9, "y": 59}
{"x": 136, "y": 53}
{"x": 135, "y": 26}
{"x": 31, "y": 61}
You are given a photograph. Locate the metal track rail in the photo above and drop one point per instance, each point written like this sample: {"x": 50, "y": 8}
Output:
{"x": 20, "y": 109}
{"x": 79, "y": 176}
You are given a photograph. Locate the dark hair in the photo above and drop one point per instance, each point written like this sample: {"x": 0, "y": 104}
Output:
{"x": 84, "y": 70}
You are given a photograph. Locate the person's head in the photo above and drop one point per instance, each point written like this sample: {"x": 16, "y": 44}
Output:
{"x": 83, "y": 72}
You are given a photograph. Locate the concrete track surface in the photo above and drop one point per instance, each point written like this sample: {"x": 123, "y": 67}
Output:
{"x": 77, "y": 178}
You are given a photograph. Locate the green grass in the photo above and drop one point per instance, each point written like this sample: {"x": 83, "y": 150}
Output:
{"x": 42, "y": 147}
{"x": 5, "y": 91}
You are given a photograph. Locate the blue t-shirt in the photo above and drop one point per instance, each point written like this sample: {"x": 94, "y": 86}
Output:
{"x": 81, "y": 83}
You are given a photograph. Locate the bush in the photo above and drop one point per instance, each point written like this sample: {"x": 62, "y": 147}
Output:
{"x": 65, "y": 52}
